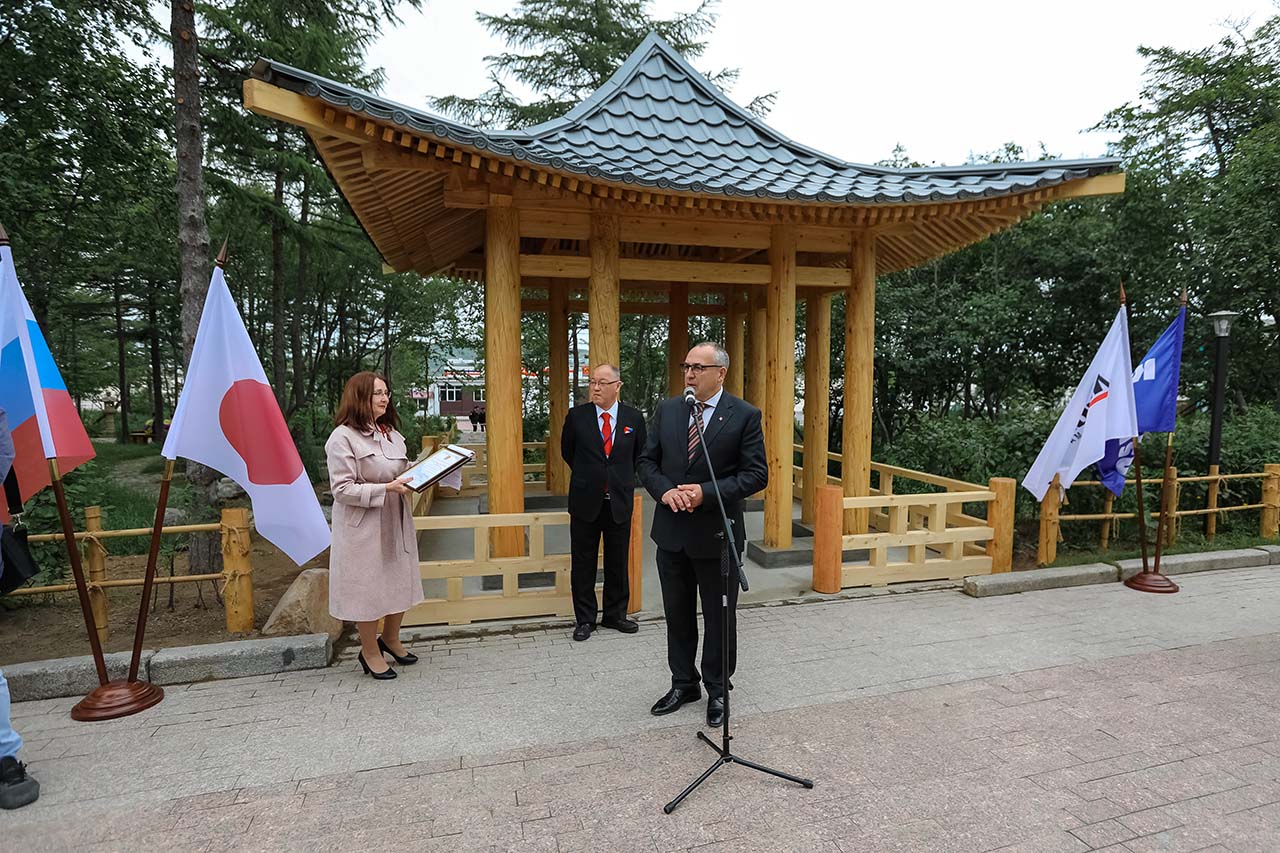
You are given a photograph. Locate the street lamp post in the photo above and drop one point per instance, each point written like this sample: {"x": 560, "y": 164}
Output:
{"x": 1222, "y": 333}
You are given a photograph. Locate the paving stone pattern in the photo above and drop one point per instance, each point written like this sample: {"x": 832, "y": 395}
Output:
{"x": 1089, "y": 718}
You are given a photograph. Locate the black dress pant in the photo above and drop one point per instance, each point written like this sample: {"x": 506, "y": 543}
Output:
{"x": 685, "y": 580}
{"x": 584, "y": 546}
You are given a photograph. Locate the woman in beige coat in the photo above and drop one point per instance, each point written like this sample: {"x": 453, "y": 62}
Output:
{"x": 373, "y": 563}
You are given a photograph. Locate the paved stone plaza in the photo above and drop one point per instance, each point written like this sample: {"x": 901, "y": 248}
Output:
{"x": 1063, "y": 720}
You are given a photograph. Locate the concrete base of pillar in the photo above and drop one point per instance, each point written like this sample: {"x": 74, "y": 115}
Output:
{"x": 768, "y": 557}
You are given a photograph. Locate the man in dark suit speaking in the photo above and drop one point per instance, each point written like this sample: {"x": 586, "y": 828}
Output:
{"x": 687, "y": 519}
{"x": 601, "y": 441}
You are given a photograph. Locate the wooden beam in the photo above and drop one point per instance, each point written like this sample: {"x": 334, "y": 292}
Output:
{"x": 653, "y": 309}
{"x": 603, "y": 291}
{"x": 688, "y": 272}
{"x": 859, "y": 378}
{"x": 817, "y": 400}
{"x": 735, "y": 340}
{"x": 558, "y": 356}
{"x": 677, "y": 338}
{"x": 272, "y": 101}
{"x": 754, "y": 384}
{"x": 379, "y": 158}
{"x": 781, "y": 370}
{"x": 503, "y": 393}
{"x": 1111, "y": 184}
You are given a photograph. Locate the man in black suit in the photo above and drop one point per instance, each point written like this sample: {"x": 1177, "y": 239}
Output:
{"x": 687, "y": 520}
{"x": 601, "y": 441}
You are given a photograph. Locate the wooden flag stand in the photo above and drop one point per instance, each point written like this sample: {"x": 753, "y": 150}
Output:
{"x": 1151, "y": 580}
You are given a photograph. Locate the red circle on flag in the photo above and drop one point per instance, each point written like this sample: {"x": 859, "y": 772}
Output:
{"x": 251, "y": 421}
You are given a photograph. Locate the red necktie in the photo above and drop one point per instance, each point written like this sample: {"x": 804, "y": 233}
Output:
{"x": 607, "y": 434}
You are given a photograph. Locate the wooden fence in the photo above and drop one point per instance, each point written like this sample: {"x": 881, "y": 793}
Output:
{"x": 1268, "y": 508}
{"x": 940, "y": 538}
{"x": 475, "y": 475}
{"x": 458, "y": 607}
{"x": 236, "y": 577}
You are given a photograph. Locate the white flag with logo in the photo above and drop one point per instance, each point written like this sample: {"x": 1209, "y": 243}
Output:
{"x": 227, "y": 418}
{"x": 1101, "y": 409}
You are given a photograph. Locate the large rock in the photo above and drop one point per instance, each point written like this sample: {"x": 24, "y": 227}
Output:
{"x": 304, "y": 608}
{"x": 229, "y": 489}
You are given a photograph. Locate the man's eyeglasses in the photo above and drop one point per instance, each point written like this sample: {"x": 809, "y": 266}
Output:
{"x": 696, "y": 368}
{"x": 600, "y": 383}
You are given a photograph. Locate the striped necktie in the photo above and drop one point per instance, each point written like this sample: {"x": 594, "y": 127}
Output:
{"x": 698, "y": 408}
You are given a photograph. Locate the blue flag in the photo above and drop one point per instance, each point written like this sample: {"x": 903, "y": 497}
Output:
{"x": 1155, "y": 395}
{"x": 1155, "y": 381}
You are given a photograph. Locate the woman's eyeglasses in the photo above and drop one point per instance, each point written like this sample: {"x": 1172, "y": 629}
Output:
{"x": 386, "y": 394}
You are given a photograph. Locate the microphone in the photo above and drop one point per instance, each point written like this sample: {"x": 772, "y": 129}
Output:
{"x": 689, "y": 397}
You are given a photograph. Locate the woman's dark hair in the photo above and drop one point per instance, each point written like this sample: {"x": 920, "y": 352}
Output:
{"x": 356, "y": 408}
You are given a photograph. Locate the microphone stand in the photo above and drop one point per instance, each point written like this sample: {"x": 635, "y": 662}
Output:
{"x": 728, "y": 556}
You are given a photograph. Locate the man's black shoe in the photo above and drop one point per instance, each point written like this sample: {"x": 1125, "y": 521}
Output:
{"x": 715, "y": 712}
{"x": 17, "y": 789}
{"x": 626, "y": 626}
{"x": 673, "y": 700}
{"x": 583, "y": 631}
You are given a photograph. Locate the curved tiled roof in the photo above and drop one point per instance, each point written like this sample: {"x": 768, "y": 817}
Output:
{"x": 658, "y": 123}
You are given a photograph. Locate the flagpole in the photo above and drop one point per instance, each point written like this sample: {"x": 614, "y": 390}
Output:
{"x": 1153, "y": 581}
{"x": 153, "y": 556}
{"x": 77, "y": 571}
{"x": 1137, "y": 454}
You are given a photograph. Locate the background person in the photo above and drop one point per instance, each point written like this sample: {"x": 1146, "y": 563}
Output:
{"x": 16, "y": 787}
{"x": 601, "y": 442}
{"x": 373, "y": 563}
{"x": 687, "y": 519}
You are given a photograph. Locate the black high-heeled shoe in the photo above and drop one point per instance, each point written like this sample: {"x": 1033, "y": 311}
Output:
{"x": 387, "y": 674}
{"x": 408, "y": 660}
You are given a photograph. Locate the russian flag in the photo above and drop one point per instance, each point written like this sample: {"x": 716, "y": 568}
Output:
{"x": 41, "y": 414}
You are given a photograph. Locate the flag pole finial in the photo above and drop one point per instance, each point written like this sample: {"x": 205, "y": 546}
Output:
{"x": 221, "y": 260}
{"x": 1122, "y": 297}
{"x": 1183, "y": 301}
{"x": 4, "y": 236}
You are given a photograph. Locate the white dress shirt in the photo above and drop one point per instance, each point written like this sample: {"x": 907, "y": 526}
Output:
{"x": 612, "y": 412}
{"x": 708, "y": 409}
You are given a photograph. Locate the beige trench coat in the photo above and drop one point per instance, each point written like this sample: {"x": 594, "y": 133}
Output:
{"x": 373, "y": 563}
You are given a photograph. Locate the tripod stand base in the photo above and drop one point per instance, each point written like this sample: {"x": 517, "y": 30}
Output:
{"x": 1151, "y": 582}
{"x": 727, "y": 757}
{"x": 116, "y": 699}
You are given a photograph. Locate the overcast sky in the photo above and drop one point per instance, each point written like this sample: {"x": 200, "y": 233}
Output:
{"x": 945, "y": 78}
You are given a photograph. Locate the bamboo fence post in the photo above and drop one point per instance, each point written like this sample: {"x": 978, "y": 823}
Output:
{"x": 828, "y": 538}
{"x": 1175, "y": 493}
{"x": 635, "y": 558}
{"x": 1047, "y": 548}
{"x": 1000, "y": 520}
{"x": 1108, "y": 503}
{"x": 1211, "y": 518}
{"x": 96, "y": 563}
{"x": 1270, "y": 524}
{"x": 237, "y": 594}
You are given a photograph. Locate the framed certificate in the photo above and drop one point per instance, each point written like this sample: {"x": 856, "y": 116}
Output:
{"x": 423, "y": 473}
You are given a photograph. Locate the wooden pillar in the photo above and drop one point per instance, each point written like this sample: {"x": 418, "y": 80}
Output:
{"x": 781, "y": 371}
{"x": 677, "y": 337}
{"x": 237, "y": 568}
{"x": 1047, "y": 546}
{"x": 603, "y": 295}
{"x": 503, "y": 397}
{"x": 96, "y": 564}
{"x": 859, "y": 376}
{"x": 635, "y": 557}
{"x": 757, "y": 351}
{"x": 817, "y": 400}
{"x": 1211, "y": 517}
{"x": 1269, "y": 524}
{"x": 735, "y": 340}
{"x": 828, "y": 543}
{"x": 1000, "y": 520}
{"x": 558, "y": 334}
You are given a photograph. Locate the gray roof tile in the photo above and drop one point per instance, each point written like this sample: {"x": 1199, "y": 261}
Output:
{"x": 659, "y": 123}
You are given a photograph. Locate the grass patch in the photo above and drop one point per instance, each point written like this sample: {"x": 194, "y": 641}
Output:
{"x": 1188, "y": 543}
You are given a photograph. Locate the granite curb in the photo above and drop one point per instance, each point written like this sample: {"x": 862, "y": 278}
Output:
{"x": 62, "y": 677}
{"x": 1057, "y": 577}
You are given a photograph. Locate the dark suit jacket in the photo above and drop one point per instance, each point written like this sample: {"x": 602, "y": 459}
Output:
{"x": 736, "y": 444}
{"x": 583, "y": 448}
